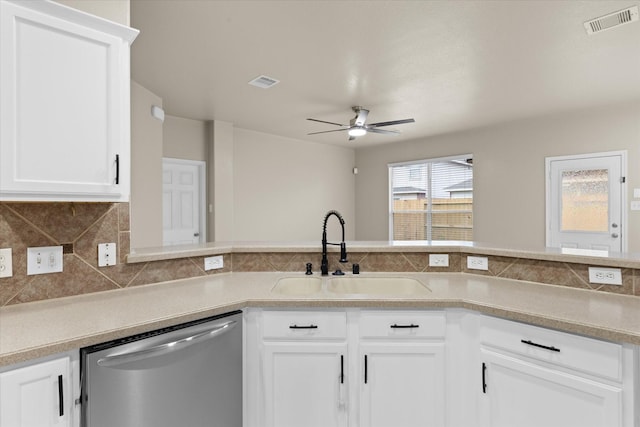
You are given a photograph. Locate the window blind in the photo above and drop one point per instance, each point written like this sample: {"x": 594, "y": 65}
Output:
{"x": 431, "y": 199}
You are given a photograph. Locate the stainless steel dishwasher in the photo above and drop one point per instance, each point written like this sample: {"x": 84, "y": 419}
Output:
{"x": 184, "y": 376}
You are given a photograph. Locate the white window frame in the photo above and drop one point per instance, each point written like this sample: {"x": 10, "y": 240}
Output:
{"x": 390, "y": 166}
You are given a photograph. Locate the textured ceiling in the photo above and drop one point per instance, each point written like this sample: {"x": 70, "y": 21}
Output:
{"x": 451, "y": 65}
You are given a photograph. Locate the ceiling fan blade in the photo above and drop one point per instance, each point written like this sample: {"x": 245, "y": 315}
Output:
{"x": 383, "y": 131}
{"x": 329, "y": 123}
{"x": 393, "y": 122}
{"x": 327, "y": 131}
{"x": 361, "y": 116}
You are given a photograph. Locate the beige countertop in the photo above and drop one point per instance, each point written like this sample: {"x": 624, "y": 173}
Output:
{"x": 581, "y": 256}
{"x": 32, "y": 330}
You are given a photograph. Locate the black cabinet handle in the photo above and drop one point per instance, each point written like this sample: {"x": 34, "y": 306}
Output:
{"x": 395, "y": 326}
{"x": 366, "y": 369}
{"x": 484, "y": 378}
{"x": 117, "y": 169}
{"x": 341, "y": 369}
{"x": 60, "y": 396}
{"x": 303, "y": 327}
{"x": 546, "y": 347}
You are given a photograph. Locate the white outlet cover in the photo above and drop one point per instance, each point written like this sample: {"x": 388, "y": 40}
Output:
{"x": 107, "y": 254}
{"x": 6, "y": 263}
{"x": 44, "y": 259}
{"x": 477, "y": 263}
{"x": 438, "y": 260}
{"x": 605, "y": 275}
{"x": 213, "y": 262}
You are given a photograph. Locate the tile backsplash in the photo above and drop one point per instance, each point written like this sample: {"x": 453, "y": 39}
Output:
{"x": 80, "y": 227}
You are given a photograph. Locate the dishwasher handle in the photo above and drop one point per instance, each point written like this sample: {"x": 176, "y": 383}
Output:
{"x": 158, "y": 350}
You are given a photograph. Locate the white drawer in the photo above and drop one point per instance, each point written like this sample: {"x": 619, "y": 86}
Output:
{"x": 593, "y": 356}
{"x": 402, "y": 324}
{"x": 304, "y": 325}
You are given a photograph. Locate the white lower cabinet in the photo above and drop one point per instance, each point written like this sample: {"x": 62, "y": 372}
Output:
{"x": 304, "y": 384}
{"x": 41, "y": 394}
{"x": 520, "y": 393}
{"x": 369, "y": 368}
{"x": 402, "y": 368}
{"x": 535, "y": 377}
{"x": 403, "y": 385}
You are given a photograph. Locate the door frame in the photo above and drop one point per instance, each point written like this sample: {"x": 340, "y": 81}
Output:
{"x": 202, "y": 180}
{"x": 623, "y": 193}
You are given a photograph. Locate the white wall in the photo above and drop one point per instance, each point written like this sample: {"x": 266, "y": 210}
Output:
{"x": 146, "y": 169}
{"x": 283, "y": 188}
{"x": 509, "y": 164}
{"x": 185, "y": 138}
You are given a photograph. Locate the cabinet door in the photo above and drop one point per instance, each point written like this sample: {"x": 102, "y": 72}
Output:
{"x": 37, "y": 396}
{"x": 518, "y": 393}
{"x": 402, "y": 384}
{"x": 305, "y": 384}
{"x": 64, "y": 113}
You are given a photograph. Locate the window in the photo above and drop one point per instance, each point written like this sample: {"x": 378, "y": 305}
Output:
{"x": 431, "y": 199}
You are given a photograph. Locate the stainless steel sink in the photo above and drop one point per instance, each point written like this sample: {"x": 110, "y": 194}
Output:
{"x": 298, "y": 286}
{"x": 377, "y": 286}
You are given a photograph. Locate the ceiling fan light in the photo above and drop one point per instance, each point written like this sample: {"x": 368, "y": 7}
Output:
{"x": 357, "y": 131}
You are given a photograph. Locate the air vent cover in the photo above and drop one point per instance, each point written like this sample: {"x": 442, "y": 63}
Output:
{"x": 612, "y": 20}
{"x": 264, "y": 82}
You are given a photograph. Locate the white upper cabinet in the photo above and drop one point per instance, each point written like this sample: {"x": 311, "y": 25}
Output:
{"x": 64, "y": 110}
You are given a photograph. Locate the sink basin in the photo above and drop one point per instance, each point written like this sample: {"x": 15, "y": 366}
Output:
{"x": 377, "y": 286}
{"x": 298, "y": 286}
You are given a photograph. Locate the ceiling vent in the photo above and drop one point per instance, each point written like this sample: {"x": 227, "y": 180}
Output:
{"x": 264, "y": 82}
{"x": 612, "y": 20}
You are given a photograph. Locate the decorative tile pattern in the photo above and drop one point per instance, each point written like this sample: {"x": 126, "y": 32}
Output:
{"x": 84, "y": 225}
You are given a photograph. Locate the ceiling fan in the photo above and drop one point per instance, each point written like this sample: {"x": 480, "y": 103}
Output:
{"x": 358, "y": 127}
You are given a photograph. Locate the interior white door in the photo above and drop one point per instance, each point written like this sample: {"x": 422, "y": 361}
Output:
{"x": 585, "y": 202}
{"x": 182, "y": 204}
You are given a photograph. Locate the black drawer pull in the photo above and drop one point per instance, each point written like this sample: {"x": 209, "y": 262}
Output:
{"x": 60, "y": 396}
{"x": 546, "y": 347}
{"x": 395, "y": 326}
{"x": 117, "y": 169}
{"x": 303, "y": 327}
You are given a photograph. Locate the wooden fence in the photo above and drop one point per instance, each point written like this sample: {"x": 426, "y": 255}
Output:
{"x": 450, "y": 219}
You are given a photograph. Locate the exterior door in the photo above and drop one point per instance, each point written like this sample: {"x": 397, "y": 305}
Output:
{"x": 585, "y": 202}
{"x": 182, "y": 202}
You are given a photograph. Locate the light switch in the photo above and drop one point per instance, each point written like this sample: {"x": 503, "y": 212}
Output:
{"x": 44, "y": 259}
{"x": 438, "y": 260}
{"x": 107, "y": 254}
{"x": 636, "y": 193}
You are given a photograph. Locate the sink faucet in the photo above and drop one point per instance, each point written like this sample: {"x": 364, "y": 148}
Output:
{"x": 324, "y": 267}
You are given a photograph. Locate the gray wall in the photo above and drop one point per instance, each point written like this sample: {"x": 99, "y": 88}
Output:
{"x": 283, "y": 188}
{"x": 146, "y": 169}
{"x": 509, "y": 164}
{"x": 185, "y": 138}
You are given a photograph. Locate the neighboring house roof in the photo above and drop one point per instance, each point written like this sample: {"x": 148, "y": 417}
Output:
{"x": 466, "y": 185}
{"x": 408, "y": 190}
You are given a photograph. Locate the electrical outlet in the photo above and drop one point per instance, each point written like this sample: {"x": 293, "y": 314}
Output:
{"x": 477, "y": 263}
{"x": 605, "y": 276}
{"x": 213, "y": 262}
{"x": 107, "y": 254}
{"x": 43, "y": 260}
{"x": 438, "y": 260}
{"x": 6, "y": 263}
